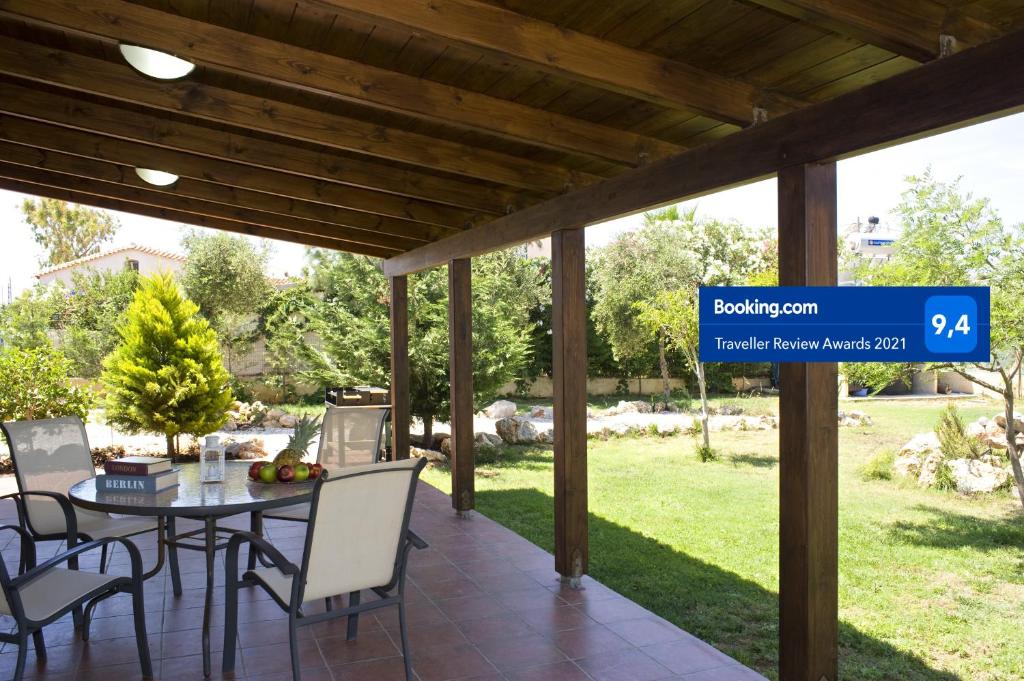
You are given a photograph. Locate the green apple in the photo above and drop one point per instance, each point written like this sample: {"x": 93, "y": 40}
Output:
{"x": 301, "y": 472}
{"x": 268, "y": 473}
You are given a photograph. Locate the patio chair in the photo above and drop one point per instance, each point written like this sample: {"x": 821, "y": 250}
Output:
{"x": 349, "y": 436}
{"x": 51, "y": 455}
{"x": 41, "y": 594}
{"x": 363, "y": 544}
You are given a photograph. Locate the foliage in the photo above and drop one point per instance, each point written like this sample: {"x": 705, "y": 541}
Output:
{"x": 35, "y": 384}
{"x": 26, "y": 322}
{"x": 877, "y": 376}
{"x": 879, "y": 466}
{"x": 705, "y": 453}
{"x": 166, "y": 374}
{"x": 67, "y": 231}
{"x": 954, "y": 441}
{"x": 92, "y": 312}
{"x": 345, "y": 306}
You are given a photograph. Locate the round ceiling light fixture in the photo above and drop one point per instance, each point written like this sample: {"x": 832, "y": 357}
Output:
{"x": 156, "y": 177}
{"x": 154, "y": 63}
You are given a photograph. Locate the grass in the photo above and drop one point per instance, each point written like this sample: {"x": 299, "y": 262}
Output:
{"x": 931, "y": 584}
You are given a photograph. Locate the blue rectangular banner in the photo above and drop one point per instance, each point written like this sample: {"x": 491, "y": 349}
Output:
{"x": 844, "y": 324}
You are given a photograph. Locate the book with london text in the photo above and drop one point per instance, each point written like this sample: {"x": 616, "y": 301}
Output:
{"x": 136, "y": 465}
{"x": 146, "y": 484}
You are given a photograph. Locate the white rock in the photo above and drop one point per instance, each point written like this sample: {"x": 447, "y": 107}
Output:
{"x": 907, "y": 465}
{"x": 929, "y": 467}
{"x": 501, "y": 409}
{"x": 627, "y": 407}
{"x": 230, "y": 425}
{"x": 539, "y": 412}
{"x": 274, "y": 414}
{"x": 546, "y": 436}
{"x": 287, "y": 421}
{"x": 974, "y": 476}
{"x": 922, "y": 444}
{"x": 428, "y": 454}
{"x": 516, "y": 430}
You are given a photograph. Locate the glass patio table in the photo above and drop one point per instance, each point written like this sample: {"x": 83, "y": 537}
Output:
{"x": 206, "y": 502}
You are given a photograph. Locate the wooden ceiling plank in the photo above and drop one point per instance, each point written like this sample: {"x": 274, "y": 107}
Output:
{"x": 909, "y": 28}
{"x": 336, "y": 77}
{"x": 170, "y": 215}
{"x": 85, "y": 167}
{"x": 167, "y": 198}
{"x": 114, "y": 81}
{"x": 113, "y": 150}
{"x": 987, "y": 80}
{"x": 571, "y": 55}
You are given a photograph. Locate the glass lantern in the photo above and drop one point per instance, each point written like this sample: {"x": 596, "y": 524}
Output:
{"x": 211, "y": 464}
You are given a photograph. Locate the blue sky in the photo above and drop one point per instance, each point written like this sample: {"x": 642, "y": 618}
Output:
{"x": 989, "y": 157}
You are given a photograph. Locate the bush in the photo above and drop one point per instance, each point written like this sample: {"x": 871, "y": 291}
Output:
{"x": 36, "y": 384}
{"x": 705, "y": 454}
{"x": 944, "y": 479}
{"x": 877, "y": 376}
{"x": 879, "y": 467}
{"x": 953, "y": 438}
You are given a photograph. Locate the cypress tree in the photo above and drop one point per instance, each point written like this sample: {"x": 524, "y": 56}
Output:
{"x": 166, "y": 375}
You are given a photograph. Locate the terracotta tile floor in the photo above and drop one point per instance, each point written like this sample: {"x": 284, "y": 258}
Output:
{"x": 484, "y": 604}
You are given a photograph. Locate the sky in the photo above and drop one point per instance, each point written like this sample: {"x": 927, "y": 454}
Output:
{"x": 989, "y": 157}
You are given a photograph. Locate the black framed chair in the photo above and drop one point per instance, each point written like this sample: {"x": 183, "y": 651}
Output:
{"x": 41, "y": 594}
{"x": 364, "y": 546}
{"x": 49, "y": 456}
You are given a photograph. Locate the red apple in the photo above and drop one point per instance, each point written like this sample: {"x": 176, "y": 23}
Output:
{"x": 285, "y": 473}
{"x": 314, "y": 471}
{"x": 254, "y": 469}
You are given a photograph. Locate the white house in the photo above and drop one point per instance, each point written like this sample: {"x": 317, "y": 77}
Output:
{"x": 143, "y": 259}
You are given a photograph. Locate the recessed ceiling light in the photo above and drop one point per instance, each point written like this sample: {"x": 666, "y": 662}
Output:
{"x": 154, "y": 63}
{"x": 156, "y": 177}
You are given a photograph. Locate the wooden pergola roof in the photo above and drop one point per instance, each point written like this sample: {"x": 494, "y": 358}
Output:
{"x": 382, "y": 127}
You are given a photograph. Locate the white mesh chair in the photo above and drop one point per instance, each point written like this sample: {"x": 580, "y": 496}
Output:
{"x": 362, "y": 544}
{"x": 349, "y": 436}
{"x": 51, "y": 455}
{"x": 41, "y": 594}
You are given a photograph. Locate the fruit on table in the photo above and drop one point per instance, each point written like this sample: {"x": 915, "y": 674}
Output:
{"x": 285, "y": 473}
{"x": 254, "y": 469}
{"x": 268, "y": 473}
{"x": 306, "y": 429}
{"x": 301, "y": 472}
{"x": 315, "y": 470}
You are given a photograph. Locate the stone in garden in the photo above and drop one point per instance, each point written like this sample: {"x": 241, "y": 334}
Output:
{"x": 907, "y": 465}
{"x": 446, "y": 446}
{"x": 922, "y": 445}
{"x": 1018, "y": 422}
{"x": 249, "y": 449}
{"x": 287, "y": 421}
{"x": 516, "y": 430}
{"x": 428, "y": 454}
{"x": 667, "y": 428}
{"x": 502, "y": 409}
{"x": 853, "y": 419}
{"x": 546, "y": 436}
{"x": 929, "y": 468}
{"x": 632, "y": 407}
{"x": 484, "y": 441}
{"x": 974, "y": 476}
{"x": 976, "y": 430}
{"x": 230, "y": 425}
{"x": 539, "y": 412}
{"x": 274, "y": 414}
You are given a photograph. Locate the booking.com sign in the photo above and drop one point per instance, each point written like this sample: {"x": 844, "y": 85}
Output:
{"x": 844, "y": 324}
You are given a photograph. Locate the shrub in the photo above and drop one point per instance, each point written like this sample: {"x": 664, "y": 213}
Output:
{"x": 705, "y": 453}
{"x": 36, "y": 384}
{"x": 944, "y": 479}
{"x": 954, "y": 441}
{"x": 877, "y": 376}
{"x": 879, "y": 467}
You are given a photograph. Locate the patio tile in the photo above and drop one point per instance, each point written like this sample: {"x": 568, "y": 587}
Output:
{"x": 589, "y": 640}
{"x": 451, "y": 663}
{"x": 368, "y": 646}
{"x": 560, "y": 671}
{"x": 523, "y": 651}
{"x": 646, "y": 631}
{"x": 688, "y": 656}
{"x": 387, "y": 669}
{"x": 623, "y": 665}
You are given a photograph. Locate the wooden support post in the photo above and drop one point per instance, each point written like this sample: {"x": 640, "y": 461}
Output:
{"x": 399, "y": 368}
{"x": 569, "y": 364}
{"x": 460, "y": 358}
{"x": 808, "y": 442}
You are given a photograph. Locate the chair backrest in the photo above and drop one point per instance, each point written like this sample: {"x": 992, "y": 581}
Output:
{"x": 351, "y": 436}
{"x": 357, "y": 525}
{"x": 49, "y": 455}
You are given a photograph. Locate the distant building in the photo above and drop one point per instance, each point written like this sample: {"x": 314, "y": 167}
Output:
{"x": 142, "y": 259}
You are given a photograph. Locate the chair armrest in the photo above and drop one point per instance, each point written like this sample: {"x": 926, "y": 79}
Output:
{"x": 70, "y": 519}
{"x": 276, "y": 557}
{"x": 415, "y": 540}
{"x": 28, "y": 547}
{"x": 64, "y": 557}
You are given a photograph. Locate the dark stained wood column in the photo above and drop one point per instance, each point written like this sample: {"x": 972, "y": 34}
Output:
{"x": 399, "y": 367}
{"x": 569, "y": 364}
{"x": 460, "y": 361}
{"x": 808, "y": 442}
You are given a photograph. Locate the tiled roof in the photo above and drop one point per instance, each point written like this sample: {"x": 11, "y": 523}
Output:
{"x": 123, "y": 249}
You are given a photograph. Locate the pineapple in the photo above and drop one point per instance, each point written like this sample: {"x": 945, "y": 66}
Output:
{"x": 306, "y": 428}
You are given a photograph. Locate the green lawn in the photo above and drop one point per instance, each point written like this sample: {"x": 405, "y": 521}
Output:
{"x": 931, "y": 584}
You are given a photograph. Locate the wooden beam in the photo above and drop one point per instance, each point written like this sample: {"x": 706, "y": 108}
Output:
{"x": 460, "y": 362}
{"x": 66, "y": 140}
{"x": 808, "y": 442}
{"x": 187, "y": 218}
{"x": 197, "y": 100}
{"x": 164, "y": 199}
{"x": 318, "y": 213}
{"x": 908, "y": 28}
{"x": 340, "y": 78}
{"x": 400, "y": 415}
{"x": 977, "y": 84}
{"x": 569, "y": 369}
{"x": 161, "y": 131}
{"x": 568, "y": 54}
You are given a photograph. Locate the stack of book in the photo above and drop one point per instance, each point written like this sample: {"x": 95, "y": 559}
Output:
{"x": 137, "y": 474}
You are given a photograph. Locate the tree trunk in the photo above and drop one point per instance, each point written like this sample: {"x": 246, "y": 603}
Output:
{"x": 1011, "y": 437}
{"x": 428, "y": 431}
{"x": 699, "y": 368}
{"x": 663, "y": 363}
{"x": 171, "y": 449}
